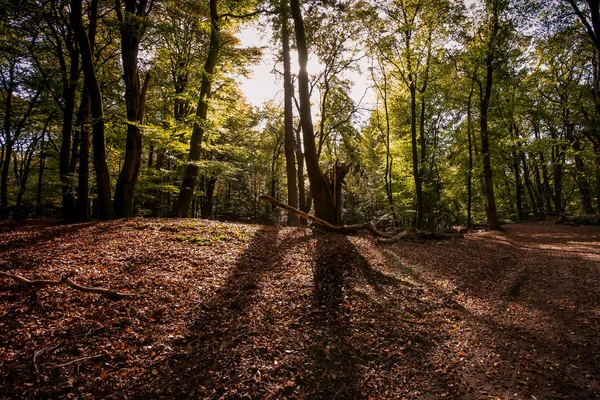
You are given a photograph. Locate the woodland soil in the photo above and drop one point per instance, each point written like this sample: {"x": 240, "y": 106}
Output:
{"x": 231, "y": 311}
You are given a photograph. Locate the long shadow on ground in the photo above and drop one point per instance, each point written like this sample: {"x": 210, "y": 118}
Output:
{"x": 274, "y": 330}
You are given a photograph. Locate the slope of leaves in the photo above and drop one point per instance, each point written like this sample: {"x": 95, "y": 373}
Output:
{"x": 246, "y": 311}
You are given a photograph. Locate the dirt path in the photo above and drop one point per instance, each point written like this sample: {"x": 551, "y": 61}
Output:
{"x": 241, "y": 311}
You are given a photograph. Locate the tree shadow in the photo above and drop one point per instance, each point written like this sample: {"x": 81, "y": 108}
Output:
{"x": 209, "y": 366}
{"x": 32, "y": 233}
{"x": 274, "y": 329}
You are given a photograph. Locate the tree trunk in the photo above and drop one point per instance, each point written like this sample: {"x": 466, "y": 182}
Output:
{"x": 492, "y": 215}
{"x": 181, "y": 207}
{"x": 582, "y": 180}
{"x": 532, "y": 197}
{"x": 415, "y": 155}
{"x": 38, "y": 200}
{"x": 304, "y": 200}
{"x": 4, "y": 174}
{"x": 321, "y": 194}
{"x": 206, "y": 206}
{"x": 470, "y": 149}
{"x": 82, "y": 209}
{"x": 597, "y": 172}
{"x": 26, "y": 166}
{"x": 66, "y": 176}
{"x": 517, "y": 171}
{"x": 105, "y": 210}
{"x": 288, "y": 93}
{"x": 132, "y": 26}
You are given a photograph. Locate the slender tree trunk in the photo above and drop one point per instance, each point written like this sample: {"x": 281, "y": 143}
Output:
{"x": 66, "y": 176}
{"x": 181, "y": 207}
{"x": 97, "y": 110}
{"x": 38, "y": 200}
{"x": 415, "y": 155}
{"x": 26, "y": 166}
{"x": 470, "y": 149}
{"x": 597, "y": 172}
{"x": 517, "y": 172}
{"x": 4, "y": 174}
{"x": 82, "y": 209}
{"x": 303, "y": 199}
{"x": 288, "y": 93}
{"x": 582, "y": 180}
{"x": 206, "y": 207}
{"x": 526, "y": 178}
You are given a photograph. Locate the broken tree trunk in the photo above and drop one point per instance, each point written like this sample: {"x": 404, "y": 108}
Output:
{"x": 111, "y": 294}
{"x": 369, "y": 226}
{"x": 584, "y": 219}
{"x": 384, "y": 237}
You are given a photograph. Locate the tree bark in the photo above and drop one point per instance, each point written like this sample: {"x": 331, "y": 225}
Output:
{"x": 470, "y": 150}
{"x": 206, "y": 206}
{"x": 181, "y": 208}
{"x": 69, "y": 91}
{"x": 517, "y": 171}
{"x": 105, "y": 210}
{"x": 288, "y": 93}
{"x": 132, "y": 25}
{"x": 82, "y": 209}
{"x": 415, "y": 155}
{"x": 321, "y": 194}
{"x": 491, "y": 212}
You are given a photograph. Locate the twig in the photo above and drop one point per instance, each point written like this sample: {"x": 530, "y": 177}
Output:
{"x": 39, "y": 353}
{"x": 79, "y": 359}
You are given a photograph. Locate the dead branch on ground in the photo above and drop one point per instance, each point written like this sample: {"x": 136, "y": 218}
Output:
{"x": 383, "y": 237}
{"x": 584, "y": 219}
{"x": 111, "y": 294}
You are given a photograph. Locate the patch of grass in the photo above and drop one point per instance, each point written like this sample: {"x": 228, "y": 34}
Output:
{"x": 215, "y": 234}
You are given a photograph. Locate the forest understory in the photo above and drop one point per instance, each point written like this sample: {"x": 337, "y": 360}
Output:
{"x": 232, "y": 311}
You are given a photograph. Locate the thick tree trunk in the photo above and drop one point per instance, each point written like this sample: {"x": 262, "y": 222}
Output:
{"x": 322, "y": 195}
{"x": 181, "y": 207}
{"x": 288, "y": 93}
{"x": 492, "y": 215}
{"x": 132, "y": 24}
{"x": 105, "y": 210}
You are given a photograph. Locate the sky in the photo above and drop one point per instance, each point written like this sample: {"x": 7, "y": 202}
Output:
{"x": 264, "y": 85}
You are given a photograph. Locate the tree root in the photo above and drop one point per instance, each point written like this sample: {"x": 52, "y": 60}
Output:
{"x": 111, "y": 294}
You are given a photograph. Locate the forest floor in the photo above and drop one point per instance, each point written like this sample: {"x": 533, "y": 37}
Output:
{"x": 230, "y": 311}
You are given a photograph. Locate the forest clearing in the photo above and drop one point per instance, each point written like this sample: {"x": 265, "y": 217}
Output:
{"x": 234, "y": 311}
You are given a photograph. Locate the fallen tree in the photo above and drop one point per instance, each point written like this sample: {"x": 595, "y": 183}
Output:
{"x": 111, "y": 294}
{"x": 584, "y": 219}
{"x": 409, "y": 234}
